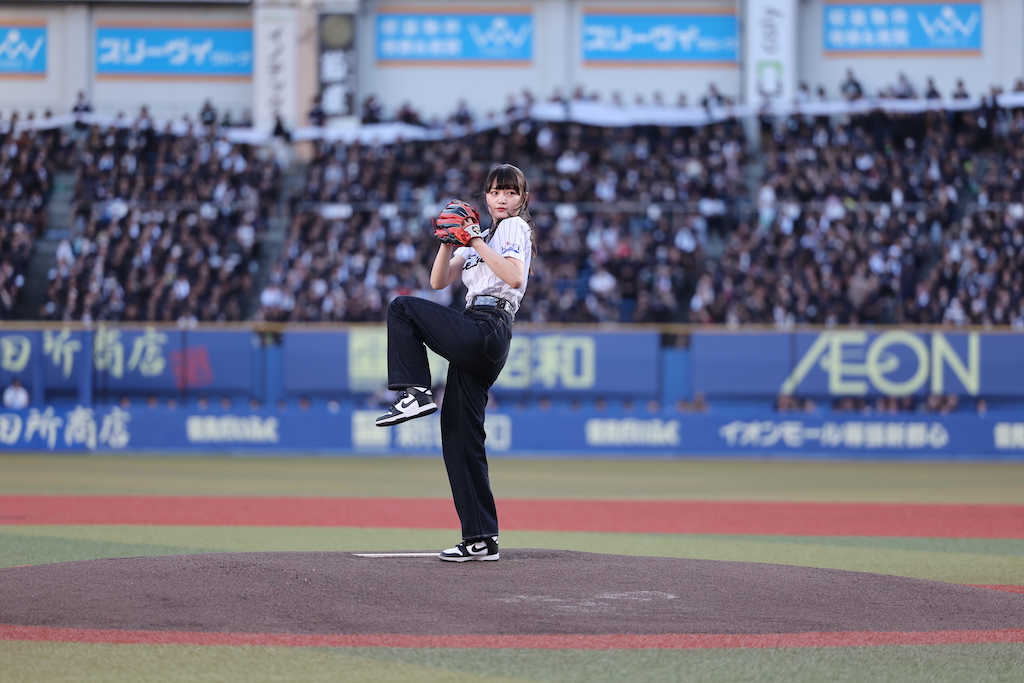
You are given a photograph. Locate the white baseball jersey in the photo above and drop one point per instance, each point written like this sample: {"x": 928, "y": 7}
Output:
{"x": 512, "y": 238}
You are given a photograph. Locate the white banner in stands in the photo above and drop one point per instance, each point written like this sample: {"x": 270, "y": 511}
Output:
{"x": 274, "y": 75}
{"x": 770, "y": 55}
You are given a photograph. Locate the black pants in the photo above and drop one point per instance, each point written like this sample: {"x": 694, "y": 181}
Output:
{"x": 475, "y": 343}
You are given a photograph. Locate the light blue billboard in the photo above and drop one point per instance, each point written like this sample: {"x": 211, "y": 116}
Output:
{"x": 675, "y": 37}
{"x": 455, "y": 37}
{"x": 174, "y": 51}
{"x": 903, "y": 27}
{"x": 23, "y": 50}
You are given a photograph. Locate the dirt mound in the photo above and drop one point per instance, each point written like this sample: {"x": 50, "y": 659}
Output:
{"x": 527, "y": 592}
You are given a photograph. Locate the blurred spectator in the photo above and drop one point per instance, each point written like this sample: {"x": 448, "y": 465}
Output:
{"x": 372, "y": 111}
{"x": 407, "y": 114}
{"x": 16, "y": 396}
{"x": 208, "y": 115}
{"x": 851, "y": 87}
{"x": 981, "y": 407}
{"x": 317, "y": 116}
{"x": 81, "y": 107}
{"x": 281, "y": 131}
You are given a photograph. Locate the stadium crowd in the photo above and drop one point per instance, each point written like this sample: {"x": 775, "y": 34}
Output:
{"x": 187, "y": 264}
{"x": 606, "y": 255}
{"x": 27, "y": 162}
{"x": 872, "y": 218}
{"x": 875, "y": 217}
{"x": 167, "y": 226}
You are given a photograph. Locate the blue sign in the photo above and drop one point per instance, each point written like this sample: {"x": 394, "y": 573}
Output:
{"x": 675, "y": 37}
{"x": 858, "y": 363}
{"x": 455, "y": 37}
{"x": 579, "y": 365}
{"x": 22, "y": 49}
{"x": 159, "y": 51}
{"x": 535, "y": 432}
{"x": 903, "y": 27}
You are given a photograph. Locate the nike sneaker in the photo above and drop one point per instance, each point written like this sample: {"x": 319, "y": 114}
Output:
{"x": 411, "y": 402}
{"x": 485, "y": 549}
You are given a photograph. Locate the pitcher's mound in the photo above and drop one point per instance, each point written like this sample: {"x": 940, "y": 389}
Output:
{"x": 526, "y": 592}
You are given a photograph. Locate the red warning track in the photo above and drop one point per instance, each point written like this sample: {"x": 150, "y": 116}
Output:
{"x": 667, "y": 641}
{"x": 675, "y": 517}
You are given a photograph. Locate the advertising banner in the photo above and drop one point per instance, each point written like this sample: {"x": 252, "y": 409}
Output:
{"x": 275, "y": 90}
{"x": 130, "y": 360}
{"x": 17, "y": 357}
{"x": 659, "y": 37}
{"x": 200, "y": 51}
{"x": 23, "y": 49}
{"x": 903, "y": 27}
{"x": 554, "y": 365}
{"x": 534, "y": 432}
{"x": 858, "y": 363}
{"x": 770, "y": 54}
{"x": 582, "y": 365}
{"x": 409, "y": 36}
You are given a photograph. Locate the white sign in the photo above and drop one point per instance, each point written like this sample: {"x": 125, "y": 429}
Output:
{"x": 770, "y": 55}
{"x": 275, "y": 71}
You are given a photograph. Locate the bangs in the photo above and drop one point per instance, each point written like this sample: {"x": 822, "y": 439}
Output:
{"x": 506, "y": 177}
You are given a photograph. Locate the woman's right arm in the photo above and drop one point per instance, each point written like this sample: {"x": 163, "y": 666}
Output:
{"x": 446, "y": 268}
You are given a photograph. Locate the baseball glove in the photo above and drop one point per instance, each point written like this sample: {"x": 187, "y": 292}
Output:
{"x": 457, "y": 224}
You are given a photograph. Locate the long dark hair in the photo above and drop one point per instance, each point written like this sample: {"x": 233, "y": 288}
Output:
{"x": 509, "y": 177}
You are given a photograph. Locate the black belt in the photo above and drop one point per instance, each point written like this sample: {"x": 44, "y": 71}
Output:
{"x": 497, "y": 302}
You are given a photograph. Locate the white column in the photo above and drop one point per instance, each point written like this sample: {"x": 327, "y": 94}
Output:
{"x": 76, "y": 49}
{"x": 275, "y": 36}
{"x": 769, "y": 55}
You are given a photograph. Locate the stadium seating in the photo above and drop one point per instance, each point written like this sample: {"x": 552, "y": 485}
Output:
{"x": 27, "y": 162}
{"x": 167, "y": 227}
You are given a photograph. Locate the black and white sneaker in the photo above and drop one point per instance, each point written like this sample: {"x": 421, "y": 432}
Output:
{"x": 411, "y": 402}
{"x": 485, "y": 549}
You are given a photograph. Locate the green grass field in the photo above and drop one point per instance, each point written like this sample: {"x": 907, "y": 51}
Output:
{"x": 965, "y": 560}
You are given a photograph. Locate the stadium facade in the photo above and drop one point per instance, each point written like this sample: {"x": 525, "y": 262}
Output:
{"x": 272, "y": 58}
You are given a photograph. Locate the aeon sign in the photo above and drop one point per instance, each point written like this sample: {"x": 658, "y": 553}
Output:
{"x": 895, "y": 363}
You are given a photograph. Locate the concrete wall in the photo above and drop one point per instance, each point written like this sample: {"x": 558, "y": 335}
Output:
{"x": 557, "y": 59}
{"x": 1000, "y": 63}
{"x": 557, "y": 63}
{"x": 170, "y": 98}
{"x": 68, "y": 65}
{"x": 71, "y": 53}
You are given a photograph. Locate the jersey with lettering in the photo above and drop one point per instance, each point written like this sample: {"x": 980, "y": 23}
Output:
{"x": 512, "y": 238}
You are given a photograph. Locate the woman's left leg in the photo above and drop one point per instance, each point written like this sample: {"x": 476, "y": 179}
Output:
{"x": 465, "y": 458}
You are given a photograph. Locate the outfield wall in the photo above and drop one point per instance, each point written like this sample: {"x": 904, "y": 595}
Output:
{"x": 103, "y": 363}
{"x": 569, "y": 390}
{"x": 532, "y": 432}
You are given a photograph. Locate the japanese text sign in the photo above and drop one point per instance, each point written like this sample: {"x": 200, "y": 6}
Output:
{"x": 652, "y": 38}
{"x": 174, "y": 51}
{"x": 903, "y": 27}
{"x": 455, "y": 37}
